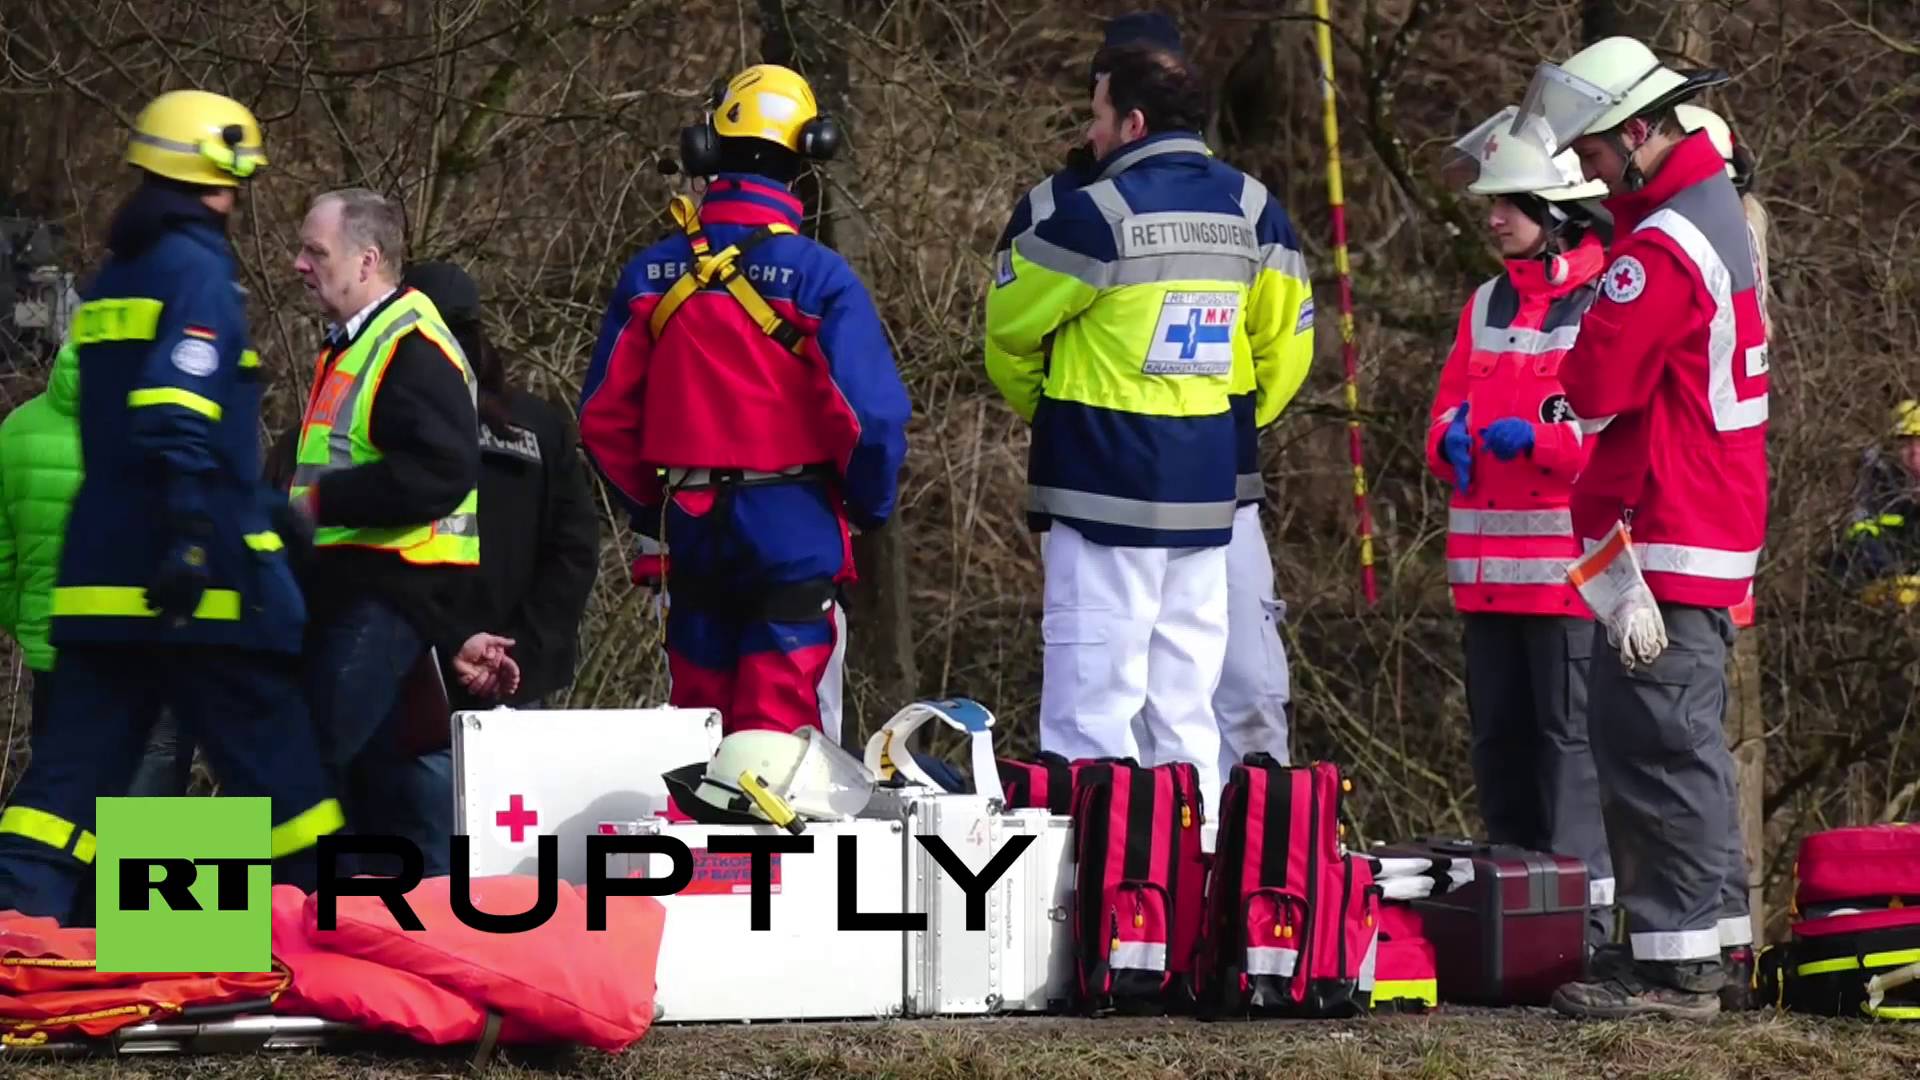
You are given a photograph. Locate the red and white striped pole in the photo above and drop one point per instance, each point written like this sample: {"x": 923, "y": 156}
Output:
{"x": 1349, "y": 353}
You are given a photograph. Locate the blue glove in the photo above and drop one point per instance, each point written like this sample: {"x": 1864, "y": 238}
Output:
{"x": 1457, "y": 447}
{"x": 177, "y": 585}
{"x": 1508, "y": 437}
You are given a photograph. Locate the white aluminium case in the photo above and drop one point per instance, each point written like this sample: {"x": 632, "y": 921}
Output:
{"x": 523, "y": 773}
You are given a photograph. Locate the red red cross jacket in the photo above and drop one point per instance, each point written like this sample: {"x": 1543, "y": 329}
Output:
{"x": 1510, "y": 534}
{"x": 1675, "y": 351}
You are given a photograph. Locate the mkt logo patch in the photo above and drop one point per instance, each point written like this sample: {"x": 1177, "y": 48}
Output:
{"x": 183, "y": 885}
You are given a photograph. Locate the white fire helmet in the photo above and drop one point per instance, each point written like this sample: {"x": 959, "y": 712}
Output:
{"x": 1694, "y": 118}
{"x": 808, "y": 772}
{"x": 1500, "y": 157}
{"x": 1603, "y": 86}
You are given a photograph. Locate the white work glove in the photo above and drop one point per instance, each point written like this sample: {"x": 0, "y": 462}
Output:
{"x": 1609, "y": 580}
{"x": 1641, "y": 635}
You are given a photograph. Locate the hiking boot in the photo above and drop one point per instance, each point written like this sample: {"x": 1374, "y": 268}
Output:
{"x": 1738, "y": 995}
{"x": 1644, "y": 989}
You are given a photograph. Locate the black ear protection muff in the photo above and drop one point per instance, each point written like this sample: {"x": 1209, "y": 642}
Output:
{"x": 820, "y": 137}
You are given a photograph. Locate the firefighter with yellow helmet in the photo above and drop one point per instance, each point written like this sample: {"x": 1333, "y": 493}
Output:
{"x": 1880, "y": 554}
{"x": 173, "y": 589}
{"x": 743, "y": 405}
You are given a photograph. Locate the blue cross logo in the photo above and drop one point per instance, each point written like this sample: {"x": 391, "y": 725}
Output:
{"x": 1192, "y": 335}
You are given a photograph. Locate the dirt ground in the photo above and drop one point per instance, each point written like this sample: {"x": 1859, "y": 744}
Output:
{"x": 1524, "y": 1045}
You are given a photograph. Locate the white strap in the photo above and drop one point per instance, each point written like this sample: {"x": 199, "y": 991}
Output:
{"x": 887, "y": 750}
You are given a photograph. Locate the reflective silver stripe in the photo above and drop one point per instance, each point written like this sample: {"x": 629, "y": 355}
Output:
{"x": 1269, "y": 960}
{"x": 1284, "y": 259}
{"x": 1170, "y": 146}
{"x": 1595, "y": 427}
{"x": 1040, "y": 202}
{"x": 1248, "y": 486}
{"x": 1500, "y": 571}
{"x": 176, "y": 147}
{"x": 1697, "y": 561}
{"x": 1132, "y": 513}
{"x": 1730, "y": 412}
{"x": 1138, "y": 956}
{"x": 1600, "y": 892}
{"x": 1496, "y": 339}
{"x": 1145, "y": 270}
{"x": 1106, "y": 195}
{"x": 1370, "y": 962}
{"x": 1672, "y": 945}
{"x": 1735, "y": 931}
{"x": 1253, "y": 199}
{"x": 1510, "y": 522}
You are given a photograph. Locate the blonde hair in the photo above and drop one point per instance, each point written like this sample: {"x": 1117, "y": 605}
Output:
{"x": 1758, "y": 224}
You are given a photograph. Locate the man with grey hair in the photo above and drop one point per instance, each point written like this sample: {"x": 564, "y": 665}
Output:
{"x": 386, "y": 472}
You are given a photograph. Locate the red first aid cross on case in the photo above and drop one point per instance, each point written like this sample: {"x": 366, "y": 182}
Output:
{"x": 516, "y": 818}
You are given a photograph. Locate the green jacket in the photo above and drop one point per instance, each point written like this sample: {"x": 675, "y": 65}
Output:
{"x": 39, "y": 475}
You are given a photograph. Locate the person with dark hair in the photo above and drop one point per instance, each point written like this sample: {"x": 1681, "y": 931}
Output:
{"x": 743, "y": 405}
{"x": 1254, "y": 691}
{"x": 1122, "y": 324}
{"x": 1501, "y": 436}
{"x": 173, "y": 590}
{"x": 541, "y": 533}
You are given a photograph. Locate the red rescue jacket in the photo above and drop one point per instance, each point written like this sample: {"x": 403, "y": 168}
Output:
{"x": 1510, "y": 534}
{"x": 1675, "y": 350}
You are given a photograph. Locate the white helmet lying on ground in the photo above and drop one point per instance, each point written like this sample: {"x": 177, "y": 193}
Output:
{"x": 806, "y": 775}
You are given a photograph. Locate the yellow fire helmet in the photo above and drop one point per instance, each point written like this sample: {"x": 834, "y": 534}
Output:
{"x": 767, "y": 101}
{"x": 1906, "y": 419}
{"x": 199, "y": 138}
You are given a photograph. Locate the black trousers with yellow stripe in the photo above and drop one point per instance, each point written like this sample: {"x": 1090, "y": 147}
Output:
{"x": 246, "y": 711}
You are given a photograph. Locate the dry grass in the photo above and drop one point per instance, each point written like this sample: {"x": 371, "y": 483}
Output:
{"x": 1518, "y": 1045}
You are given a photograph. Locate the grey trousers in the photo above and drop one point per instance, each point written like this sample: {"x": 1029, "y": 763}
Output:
{"x": 1668, "y": 789}
{"x": 1532, "y": 764}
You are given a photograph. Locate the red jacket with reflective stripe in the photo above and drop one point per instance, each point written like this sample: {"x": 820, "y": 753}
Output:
{"x": 1510, "y": 535}
{"x": 1675, "y": 350}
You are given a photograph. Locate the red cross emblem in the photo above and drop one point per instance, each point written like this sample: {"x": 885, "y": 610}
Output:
{"x": 1493, "y": 143}
{"x": 1623, "y": 279}
{"x": 516, "y": 818}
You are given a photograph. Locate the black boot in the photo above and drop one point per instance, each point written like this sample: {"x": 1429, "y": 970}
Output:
{"x": 1686, "y": 991}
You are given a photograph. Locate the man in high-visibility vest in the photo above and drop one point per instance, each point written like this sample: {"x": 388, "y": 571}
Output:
{"x": 387, "y": 471}
{"x": 173, "y": 589}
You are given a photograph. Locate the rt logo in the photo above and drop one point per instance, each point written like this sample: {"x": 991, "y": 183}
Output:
{"x": 183, "y": 885}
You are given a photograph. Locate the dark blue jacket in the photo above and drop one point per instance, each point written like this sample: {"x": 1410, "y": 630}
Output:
{"x": 169, "y": 419}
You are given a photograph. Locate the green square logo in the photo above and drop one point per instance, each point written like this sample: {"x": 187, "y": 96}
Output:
{"x": 183, "y": 885}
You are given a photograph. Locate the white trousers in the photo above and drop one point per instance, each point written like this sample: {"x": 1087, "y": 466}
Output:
{"x": 1251, "y": 702}
{"x": 1133, "y": 632}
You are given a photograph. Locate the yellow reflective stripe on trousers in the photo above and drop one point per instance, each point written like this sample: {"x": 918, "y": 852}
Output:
{"x": 217, "y": 605}
{"x": 249, "y": 359}
{"x": 126, "y": 319}
{"x": 306, "y": 829}
{"x": 172, "y": 395}
{"x": 49, "y": 829}
{"x": 1896, "y": 958}
{"x": 1427, "y": 990}
{"x": 265, "y": 541}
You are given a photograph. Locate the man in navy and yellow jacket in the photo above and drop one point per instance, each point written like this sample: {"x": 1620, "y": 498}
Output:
{"x": 173, "y": 589}
{"x": 1123, "y": 322}
{"x": 1251, "y": 700}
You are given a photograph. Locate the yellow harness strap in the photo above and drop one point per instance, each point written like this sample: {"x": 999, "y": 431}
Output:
{"x": 723, "y": 267}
